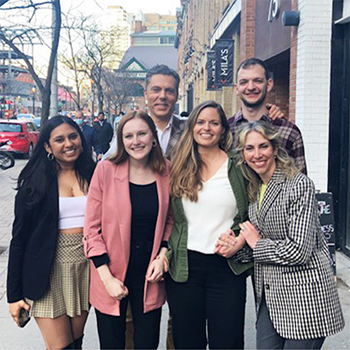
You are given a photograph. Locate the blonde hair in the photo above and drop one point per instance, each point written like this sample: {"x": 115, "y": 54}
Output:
{"x": 283, "y": 160}
{"x": 186, "y": 163}
{"x": 156, "y": 160}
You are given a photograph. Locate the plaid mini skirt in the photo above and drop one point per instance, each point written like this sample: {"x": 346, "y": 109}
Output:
{"x": 68, "y": 291}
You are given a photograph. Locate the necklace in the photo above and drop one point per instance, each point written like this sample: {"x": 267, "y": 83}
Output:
{"x": 72, "y": 185}
{"x": 67, "y": 182}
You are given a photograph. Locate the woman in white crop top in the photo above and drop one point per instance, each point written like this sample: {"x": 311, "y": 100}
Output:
{"x": 206, "y": 285}
{"x": 48, "y": 274}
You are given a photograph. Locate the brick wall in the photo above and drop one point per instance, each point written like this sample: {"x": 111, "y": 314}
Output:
{"x": 280, "y": 92}
{"x": 312, "y": 84}
{"x": 201, "y": 18}
{"x": 247, "y": 42}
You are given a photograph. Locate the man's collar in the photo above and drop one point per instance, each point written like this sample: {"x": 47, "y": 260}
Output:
{"x": 240, "y": 118}
{"x": 168, "y": 125}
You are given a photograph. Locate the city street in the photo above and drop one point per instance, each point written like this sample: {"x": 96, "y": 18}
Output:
{"x": 29, "y": 338}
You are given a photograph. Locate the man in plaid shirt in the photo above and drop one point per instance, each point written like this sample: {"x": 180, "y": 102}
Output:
{"x": 253, "y": 82}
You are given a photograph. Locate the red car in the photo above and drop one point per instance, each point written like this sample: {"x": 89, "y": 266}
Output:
{"x": 23, "y": 135}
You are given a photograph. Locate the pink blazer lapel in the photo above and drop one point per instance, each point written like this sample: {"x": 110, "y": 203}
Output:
{"x": 123, "y": 207}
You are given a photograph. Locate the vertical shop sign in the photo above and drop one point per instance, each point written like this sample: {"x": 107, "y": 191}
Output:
{"x": 326, "y": 212}
{"x": 211, "y": 71}
{"x": 224, "y": 62}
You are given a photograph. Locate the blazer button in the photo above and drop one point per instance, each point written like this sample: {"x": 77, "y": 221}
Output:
{"x": 267, "y": 286}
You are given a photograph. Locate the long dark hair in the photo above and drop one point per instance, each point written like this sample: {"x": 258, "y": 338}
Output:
{"x": 40, "y": 172}
{"x": 156, "y": 159}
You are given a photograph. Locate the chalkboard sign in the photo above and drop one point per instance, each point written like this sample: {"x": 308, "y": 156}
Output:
{"x": 325, "y": 209}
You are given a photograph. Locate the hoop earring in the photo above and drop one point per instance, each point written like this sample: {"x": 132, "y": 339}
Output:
{"x": 50, "y": 157}
{"x": 154, "y": 143}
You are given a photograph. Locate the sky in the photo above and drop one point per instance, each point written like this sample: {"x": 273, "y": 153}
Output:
{"x": 146, "y": 6}
{"x": 96, "y": 9}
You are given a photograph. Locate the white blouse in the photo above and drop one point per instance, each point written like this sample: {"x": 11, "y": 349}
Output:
{"x": 212, "y": 214}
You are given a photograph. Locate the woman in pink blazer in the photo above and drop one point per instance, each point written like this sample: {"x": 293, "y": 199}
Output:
{"x": 127, "y": 226}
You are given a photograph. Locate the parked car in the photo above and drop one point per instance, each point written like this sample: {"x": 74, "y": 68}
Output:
{"x": 22, "y": 133}
{"x": 25, "y": 116}
{"x": 37, "y": 121}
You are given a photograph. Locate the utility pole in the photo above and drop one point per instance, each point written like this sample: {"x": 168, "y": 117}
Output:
{"x": 54, "y": 82}
{"x": 93, "y": 100}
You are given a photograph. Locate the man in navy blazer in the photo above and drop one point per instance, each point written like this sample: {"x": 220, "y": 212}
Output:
{"x": 104, "y": 131}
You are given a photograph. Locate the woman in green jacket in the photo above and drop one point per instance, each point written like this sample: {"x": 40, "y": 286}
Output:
{"x": 206, "y": 285}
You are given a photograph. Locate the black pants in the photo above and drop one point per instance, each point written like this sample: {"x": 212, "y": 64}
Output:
{"x": 111, "y": 329}
{"x": 213, "y": 296}
{"x": 268, "y": 338}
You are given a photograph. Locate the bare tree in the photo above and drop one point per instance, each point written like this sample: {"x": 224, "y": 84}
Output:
{"x": 15, "y": 38}
{"x": 68, "y": 58}
{"x": 88, "y": 52}
{"x": 99, "y": 51}
{"x": 118, "y": 90}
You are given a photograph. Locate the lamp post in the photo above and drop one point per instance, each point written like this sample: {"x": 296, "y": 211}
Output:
{"x": 33, "y": 92}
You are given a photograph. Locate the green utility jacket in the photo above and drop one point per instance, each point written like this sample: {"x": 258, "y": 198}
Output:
{"x": 177, "y": 254}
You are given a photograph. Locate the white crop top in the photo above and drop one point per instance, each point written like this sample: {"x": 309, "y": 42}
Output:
{"x": 71, "y": 212}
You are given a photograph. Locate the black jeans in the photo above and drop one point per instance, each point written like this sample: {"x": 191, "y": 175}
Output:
{"x": 213, "y": 295}
{"x": 111, "y": 329}
{"x": 268, "y": 338}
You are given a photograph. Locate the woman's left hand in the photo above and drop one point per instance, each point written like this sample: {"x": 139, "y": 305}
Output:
{"x": 155, "y": 270}
{"x": 250, "y": 233}
{"x": 228, "y": 244}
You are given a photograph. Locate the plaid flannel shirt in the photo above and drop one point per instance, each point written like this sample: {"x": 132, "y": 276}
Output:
{"x": 290, "y": 136}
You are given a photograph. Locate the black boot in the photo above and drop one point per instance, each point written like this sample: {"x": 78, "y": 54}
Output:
{"x": 78, "y": 343}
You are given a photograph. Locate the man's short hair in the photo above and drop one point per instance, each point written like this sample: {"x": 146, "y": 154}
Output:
{"x": 164, "y": 70}
{"x": 100, "y": 112}
{"x": 252, "y": 62}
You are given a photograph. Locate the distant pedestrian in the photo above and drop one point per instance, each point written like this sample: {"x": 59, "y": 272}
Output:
{"x": 104, "y": 132}
{"x": 296, "y": 297}
{"x": 89, "y": 134}
{"x": 48, "y": 274}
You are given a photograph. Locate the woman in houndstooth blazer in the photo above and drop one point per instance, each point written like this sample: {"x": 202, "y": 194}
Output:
{"x": 296, "y": 297}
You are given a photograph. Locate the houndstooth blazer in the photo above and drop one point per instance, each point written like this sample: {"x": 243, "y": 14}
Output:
{"x": 177, "y": 128}
{"x": 292, "y": 262}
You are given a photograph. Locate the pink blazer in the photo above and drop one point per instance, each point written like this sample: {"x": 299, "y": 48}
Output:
{"x": 107, "y": 230}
